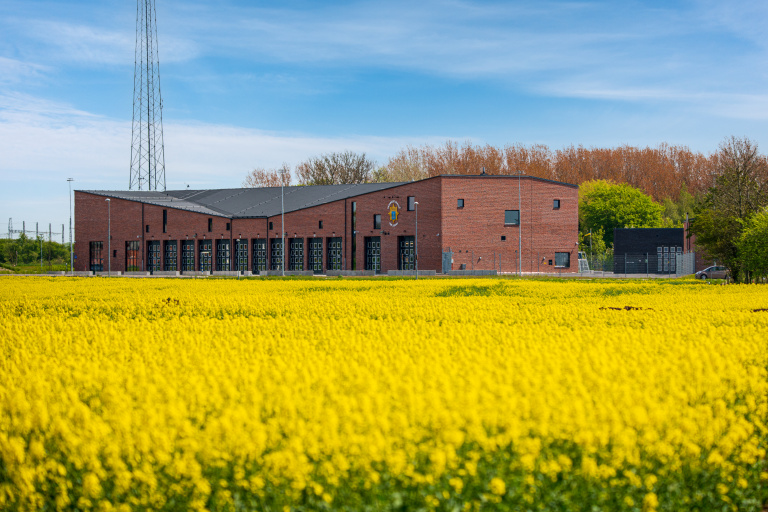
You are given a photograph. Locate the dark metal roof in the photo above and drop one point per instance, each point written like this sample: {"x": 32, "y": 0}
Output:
{"x": 248, "y": 202}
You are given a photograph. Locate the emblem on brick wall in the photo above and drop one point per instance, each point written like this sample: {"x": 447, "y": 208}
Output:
{"x": 394, "y": 213}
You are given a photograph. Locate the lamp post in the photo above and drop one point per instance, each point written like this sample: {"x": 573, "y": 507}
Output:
{"x": 109, "y": 237}
{"x": 416, "y": 238}
{"x": 282, "y": 218}
{"x": 71, "y": 267}
{"x": 519, "y": 226}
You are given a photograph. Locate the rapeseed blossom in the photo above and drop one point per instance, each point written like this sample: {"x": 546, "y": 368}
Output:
{"x": 346, "y": 394}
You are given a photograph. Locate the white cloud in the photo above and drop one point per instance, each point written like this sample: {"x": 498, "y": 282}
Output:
{"x": 42, "y": 143}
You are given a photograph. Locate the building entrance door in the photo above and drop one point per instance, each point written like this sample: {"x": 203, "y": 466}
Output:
{"x": 315, "y": 255}
{"x": 407, "y": 257}
{"x": 153, "y": 255}
{"x": 373, "y": 253}
{"x": 447, "y": 261}
{"x": 334, "y": 253}
{"x": 259, "y": 255}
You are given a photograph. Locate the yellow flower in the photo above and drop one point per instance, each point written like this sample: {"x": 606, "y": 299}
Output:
{"x": 497, "y": 486}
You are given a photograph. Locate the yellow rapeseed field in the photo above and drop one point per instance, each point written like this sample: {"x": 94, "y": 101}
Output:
{"x": 154, "y": 394}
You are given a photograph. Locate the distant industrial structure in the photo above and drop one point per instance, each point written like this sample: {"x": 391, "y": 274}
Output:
{"x": 147, "y": 148}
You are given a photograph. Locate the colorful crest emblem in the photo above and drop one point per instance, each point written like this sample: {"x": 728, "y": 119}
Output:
{"x": 394, "y": 212}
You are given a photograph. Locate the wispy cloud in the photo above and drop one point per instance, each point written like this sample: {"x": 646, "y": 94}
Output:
{"x": 51, "y": 139}
{"x": 13, "y": 71}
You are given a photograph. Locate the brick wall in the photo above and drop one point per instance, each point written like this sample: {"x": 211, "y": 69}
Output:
{"x": 474, "y": 232}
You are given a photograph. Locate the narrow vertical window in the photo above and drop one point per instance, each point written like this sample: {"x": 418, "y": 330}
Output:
{"x": 210, "y": 225}
{"x": 354, "y": 237}
{"x": 556, "y": 204}
{"x": 165, "y": 221}
{"x": 411, "y": 203}
{"x": 459, "y": 203}
{"x": 377, "y": 221}
{"x": 320, "y": 225}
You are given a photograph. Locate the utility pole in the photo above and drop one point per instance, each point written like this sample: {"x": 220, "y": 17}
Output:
{"x": 71, "y": 258}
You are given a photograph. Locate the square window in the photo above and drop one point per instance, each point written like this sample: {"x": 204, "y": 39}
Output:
{"x": 562, "y": 259}
{"x": 411, "y": 203}
{"x": 460, "y": 203}
{"x": 512, "y": 217}
{"x": 503, "y": 238}
{"x": 556, "y": 204}
{"x": 377, "y": 221}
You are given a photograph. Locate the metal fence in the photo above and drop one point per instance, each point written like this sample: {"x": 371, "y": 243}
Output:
{"x": 648, "y": 264}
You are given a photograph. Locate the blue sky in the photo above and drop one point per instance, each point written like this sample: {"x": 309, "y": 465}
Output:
{"x": 248, "y": 84}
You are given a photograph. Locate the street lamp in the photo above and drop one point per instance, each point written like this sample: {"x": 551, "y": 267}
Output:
{"x": 71, "y": 267}
{"x": 109, "y": 237}
{"x": 283, "y": 170}
{"x": 519, "y": 225}
{"x": 416, "y": 238}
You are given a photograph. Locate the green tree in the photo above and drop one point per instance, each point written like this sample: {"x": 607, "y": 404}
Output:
{"x": 606, "y": 205}
{"x": 740, "y": 190}
{"x": 753, "y": 245}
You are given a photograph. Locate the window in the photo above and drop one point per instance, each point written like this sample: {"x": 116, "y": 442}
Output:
{"x": 512, "y": 217}
{"x": 270, "y": 226}
{"x": 460, "y": 203}
{"x": 556, "y": 204}
{"x": 411, "y": 203}
{"x": 146, "y": 228}
{"x": 563, "y": 259}
{"x": 114, "y": 253}
{"x": 377, "y": 221}
{"x": 320, "y": 225}
{"x": 503, "y": 238}
{"x": 228, "y": 225}
{"x": 210, "y": 225}
{"x": 165, "y": 221}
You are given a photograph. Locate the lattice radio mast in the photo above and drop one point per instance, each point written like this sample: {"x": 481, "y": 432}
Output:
{"x": 147, "y": 150}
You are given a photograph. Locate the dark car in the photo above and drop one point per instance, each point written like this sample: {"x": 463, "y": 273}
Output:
{"x": 714, "y": 272}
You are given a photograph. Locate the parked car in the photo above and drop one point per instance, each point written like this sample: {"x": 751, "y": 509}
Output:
{"x": 714, "y": 272}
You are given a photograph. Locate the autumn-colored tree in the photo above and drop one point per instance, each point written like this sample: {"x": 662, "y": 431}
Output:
{"x": 261, "y": 177}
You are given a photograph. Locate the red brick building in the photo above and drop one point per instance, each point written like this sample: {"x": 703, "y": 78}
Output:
{"x": 506, "y": 223}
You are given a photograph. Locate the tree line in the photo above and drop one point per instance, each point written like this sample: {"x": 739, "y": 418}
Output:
{"x": 724, "y": 192}
{"x": 26, "y": 250}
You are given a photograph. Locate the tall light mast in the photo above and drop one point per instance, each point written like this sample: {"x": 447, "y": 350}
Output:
{"x": 147, "y": 149}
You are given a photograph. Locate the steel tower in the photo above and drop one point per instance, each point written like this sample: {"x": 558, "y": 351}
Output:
{"x": 147, "y": 150}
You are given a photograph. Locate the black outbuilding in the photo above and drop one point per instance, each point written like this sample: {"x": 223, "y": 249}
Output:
{"x": 647, "y": 250}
